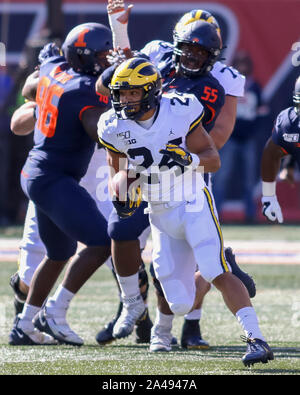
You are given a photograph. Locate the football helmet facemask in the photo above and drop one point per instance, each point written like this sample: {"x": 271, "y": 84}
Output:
{"x": 296, "y": 95}
{"x": 136, "y": 73}
{"x": 86, "y": 47}
{"x": 196, "y": 44}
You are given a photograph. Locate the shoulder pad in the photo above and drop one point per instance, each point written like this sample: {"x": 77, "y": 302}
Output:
{"x": 183, "y": 103}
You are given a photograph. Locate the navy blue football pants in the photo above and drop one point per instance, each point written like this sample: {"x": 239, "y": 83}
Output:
{"x": 66, "y": 214}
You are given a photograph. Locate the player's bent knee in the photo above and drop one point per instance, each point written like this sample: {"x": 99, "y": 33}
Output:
{"x": 180, "y": 308}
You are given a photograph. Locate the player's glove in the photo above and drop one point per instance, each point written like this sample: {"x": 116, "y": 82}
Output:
{"x": 49, "y": 50}
{"x": 180, "y": 155}
{"x": 116, "y": 56}
{"x": 271, "y": 208}
{"x": 126, "y": 209}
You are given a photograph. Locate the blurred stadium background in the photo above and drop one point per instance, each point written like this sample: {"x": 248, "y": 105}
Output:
{"x": 267, "y": 30}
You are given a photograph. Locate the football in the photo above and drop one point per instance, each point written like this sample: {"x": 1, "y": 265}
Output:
{"x": 123, "y": 182}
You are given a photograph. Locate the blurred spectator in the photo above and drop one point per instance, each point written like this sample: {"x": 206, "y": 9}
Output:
{"x": 6, "y": 84}
{"x": 238, "y": 156}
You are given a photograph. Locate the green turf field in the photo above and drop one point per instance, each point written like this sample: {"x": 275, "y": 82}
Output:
{"x": 277, "y": 304}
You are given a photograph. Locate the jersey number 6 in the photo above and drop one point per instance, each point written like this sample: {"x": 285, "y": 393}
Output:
{"x": 48, "y": 111}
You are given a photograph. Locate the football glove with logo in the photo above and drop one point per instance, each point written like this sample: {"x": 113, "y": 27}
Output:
{"x": 126, "y": 209}
{"x": 180, "y": 155}
{"x": 49, "y": 50}
{"x": 271, "y": 208}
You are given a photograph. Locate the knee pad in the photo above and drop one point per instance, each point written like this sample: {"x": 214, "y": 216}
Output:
{"x": 180, "y": 308}
{"x": 179, "y": 298}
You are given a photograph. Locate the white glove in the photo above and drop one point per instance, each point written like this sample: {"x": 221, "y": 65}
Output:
{"x": 271, "y": 208}
{"x": 118, "y": 18}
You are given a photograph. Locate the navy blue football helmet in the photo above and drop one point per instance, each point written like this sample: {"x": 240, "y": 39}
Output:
{"x": 86, "y": 46}
{"x": 202, "y": 34}
{"x": 296, "y": 95}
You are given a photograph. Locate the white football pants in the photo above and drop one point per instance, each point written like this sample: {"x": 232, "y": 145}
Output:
{"x": 183, "y": 240}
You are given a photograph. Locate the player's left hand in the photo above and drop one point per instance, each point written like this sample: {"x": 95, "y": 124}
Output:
{"x": 116, "y": 56}
{"x": 49, "y": 50}
{"x": 126, "y": 209}
{"x": 178, "y": 154}
{"x": 271, "y": 208}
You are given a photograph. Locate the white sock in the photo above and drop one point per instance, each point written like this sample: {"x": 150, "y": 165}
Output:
{"x": 193, "y": 315}
{"x": 129, "y": 285}
{"x": 247, "y": 318}
{"x": 60, "y": 300}
{"x": 165, "y": 320}
{"x": 29, "y": 311}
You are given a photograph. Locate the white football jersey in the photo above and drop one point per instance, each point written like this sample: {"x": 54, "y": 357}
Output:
{"x": 163, "y": 180}
{"x": 232, "y": 81}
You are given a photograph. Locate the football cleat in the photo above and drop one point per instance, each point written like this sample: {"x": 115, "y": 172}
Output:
{"x": 257, "y": 351}
{"x": 143, "y": 329}
{"x": 133, "y": 310}
{"x": 243, "y": 276}
{"x": 20, "y": 297}
{"x": 25, "y": 334}
{"x": 56, "y": 327}
{"x": 161, "y": 339}
{"x": 105, "y": 335}
{"x": 191, "y": 336}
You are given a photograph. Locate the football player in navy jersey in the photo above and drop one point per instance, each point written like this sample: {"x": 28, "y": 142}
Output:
{"x": 67, "y": 110}
{"x": 185, "y": 67}
{"x": 285, "y": 140}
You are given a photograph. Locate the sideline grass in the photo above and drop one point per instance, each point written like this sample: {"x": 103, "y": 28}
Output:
{"x": 277, "y": 304}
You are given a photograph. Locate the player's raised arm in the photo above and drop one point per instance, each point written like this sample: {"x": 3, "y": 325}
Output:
{"x": 23, "y": 119}
{"x": 118, "y": 16}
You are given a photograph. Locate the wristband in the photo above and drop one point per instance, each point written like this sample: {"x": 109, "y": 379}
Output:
{"x": 119, "y": 30}
{"x": 269, "y": 188}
